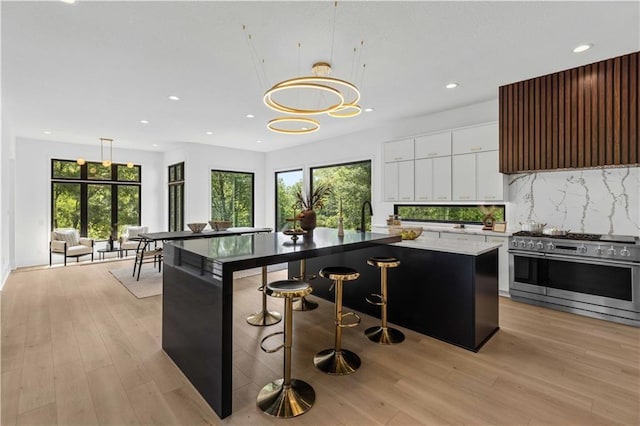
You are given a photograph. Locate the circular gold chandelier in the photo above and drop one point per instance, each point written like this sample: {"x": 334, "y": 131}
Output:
{"x": 346, "y": 94}
{"x": 274, "y": 125}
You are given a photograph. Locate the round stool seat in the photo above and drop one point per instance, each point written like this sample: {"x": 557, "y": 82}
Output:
{"x": 387, "y": 262}
{"x": 288, "y": 288}
{"x": 341, "y": 273}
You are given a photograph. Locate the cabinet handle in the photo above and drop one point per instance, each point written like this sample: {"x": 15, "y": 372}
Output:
{"x": 423, "y": 198}
{"x": 442, "y": 198}
{"x": 490, "y": 197}
{"x": 397, "y": 158}
{"x": 431, "y": 154}
{"x": 406, "y": 198}
{"x": 477, "y": 148}
{"x": 464, "y": 197}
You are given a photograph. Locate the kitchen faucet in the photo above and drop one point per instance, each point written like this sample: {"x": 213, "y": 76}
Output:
{"x": 362, "y": 225}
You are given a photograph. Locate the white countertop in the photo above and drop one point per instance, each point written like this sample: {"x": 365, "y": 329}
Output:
{"x": 468, "y": 229}
{"x": 471, "y": 248}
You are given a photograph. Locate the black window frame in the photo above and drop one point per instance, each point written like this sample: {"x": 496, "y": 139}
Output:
{"x": 84, "y": 181}
{"x": 253, "y": 192}
{"x": 175, "y": 185}
{"x": 396, "y": 208}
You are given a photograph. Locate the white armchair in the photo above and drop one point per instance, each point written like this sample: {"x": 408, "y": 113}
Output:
{"x": 69, "y": 243}
{"x": 129, "y": 233}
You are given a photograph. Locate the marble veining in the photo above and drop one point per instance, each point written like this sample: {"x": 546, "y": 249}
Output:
{"x": 603, "y": 201}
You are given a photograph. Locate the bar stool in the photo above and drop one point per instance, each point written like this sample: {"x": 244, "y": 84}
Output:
{"x": 339, "y": 361}
{"x": 383, "y": 334}
{"x": 302, "y": 304}
{"x": 264, "y": 317}
{"x": 286, "y": 397}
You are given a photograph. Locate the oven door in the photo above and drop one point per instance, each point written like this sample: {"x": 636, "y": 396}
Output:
{"x": 527, "y": 271}
{"x": 596, "y": 281}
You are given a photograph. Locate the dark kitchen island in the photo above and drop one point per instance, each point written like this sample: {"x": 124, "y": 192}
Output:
{"x": 445, "y": 289}
{"x": 197, "y": 299}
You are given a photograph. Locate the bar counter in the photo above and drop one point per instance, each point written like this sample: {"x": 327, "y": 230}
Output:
{"x": 197, "y": 299}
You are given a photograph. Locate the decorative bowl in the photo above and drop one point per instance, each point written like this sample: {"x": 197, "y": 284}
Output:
{"x": 220, "y": 225}
{"x": 196, "y": 228}
{"x": 406, "y": 232}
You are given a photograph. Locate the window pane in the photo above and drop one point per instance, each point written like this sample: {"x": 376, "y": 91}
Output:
{"x": 172, "y": 173}
{"x": 66, "y": 205}
{"x": 66, "y": 169}
{"x": 128, "y": 202}
{"x": 452, "y": 213}
{"x": 98, "y": 171}
{"x": 350, "y": 183}
{"x": 172, "y": 208}
{"x": 99, "y": 211}
{"x": 179, "y": 207}
{"x": 126, "y": 174}
{"x": 179, "y": 171}
{"x": 286, "y": 185}
{"x": 232, "y": 197}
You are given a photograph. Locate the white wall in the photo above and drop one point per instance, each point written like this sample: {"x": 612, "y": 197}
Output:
{"x": 199, "y": 161}
{"x": 33, "y": 192}
{"x": 367, "y": 145}
{"x": 7, "y": 231}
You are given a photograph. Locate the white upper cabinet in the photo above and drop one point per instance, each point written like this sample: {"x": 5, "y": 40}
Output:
{"x": 390, "y": 182}
{"x": 398, "y": 150}
{"x": 463, "y": 177}
{"x": 490, "y": 183}
{"x": 398, "y": 181}
{"x": 436, "y": 145}
{"x": 433, "y": 179}
{"x": 475, "y": 139}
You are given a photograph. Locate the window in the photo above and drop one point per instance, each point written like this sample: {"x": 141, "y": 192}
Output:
{"x": 232, "y": 197}
{"x": 286, "y": 185}
{"x": 97, "y": 200}
{"x": 471, "y": 214}
{"x": 351, "y": 183}
{"x": 176, "y": 197}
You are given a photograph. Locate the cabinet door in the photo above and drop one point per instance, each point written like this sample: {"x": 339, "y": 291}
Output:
{"x": 441, "y": 178}
{"x": 398, "y": 150}
{"x": 435, "y": 145}
{"x": 405, "y": 180}
{"x": 490, "y": 182}
{"x": 463, "y": 177}
{"x": 424, "y": 179}
{"x": 475, "y": 139}
{"x": 391, "y": 181}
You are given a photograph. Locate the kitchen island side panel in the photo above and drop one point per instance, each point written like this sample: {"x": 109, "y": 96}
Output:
{"x": 193, "y": 296}
{"x": 433, "y": 293}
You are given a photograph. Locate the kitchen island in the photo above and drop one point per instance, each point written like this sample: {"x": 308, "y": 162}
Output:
{"x": 446, "y": 289}
{"x": 197, "y": 299}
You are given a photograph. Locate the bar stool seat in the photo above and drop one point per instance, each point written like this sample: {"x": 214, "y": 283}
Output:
{"x": 383, "y": 334}
{"x": 339, "y": 361}
{"x": 286, "y": 397}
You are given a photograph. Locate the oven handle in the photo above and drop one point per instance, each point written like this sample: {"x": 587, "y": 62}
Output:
{"x": 527, "y": 254}
{"x": 592, "y": 260}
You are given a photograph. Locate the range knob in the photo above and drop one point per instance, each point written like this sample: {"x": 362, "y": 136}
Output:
{"x": 514, "y": 243}
{"x": 550, "y": 246}
{"x": 522, "y": 244}
{"x": 599, "y": 250}
{"x": 582, "y": 248}
{"x": 540, "y": 245}
{"x": 531, "y": 244}
{"x": 625, "y": 252}
{"x": 611, "y": 251}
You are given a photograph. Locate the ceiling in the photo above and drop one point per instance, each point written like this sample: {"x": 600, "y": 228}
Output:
{"x": 95, "y": 69}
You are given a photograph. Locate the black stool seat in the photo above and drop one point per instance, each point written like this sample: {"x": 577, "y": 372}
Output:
{"x": 388, "y": 262}
{"x": 288, "y": 288}
{"x": 342, "y": 273}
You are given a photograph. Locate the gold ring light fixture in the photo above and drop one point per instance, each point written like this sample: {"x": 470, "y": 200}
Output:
{"x": 307, "y": 125}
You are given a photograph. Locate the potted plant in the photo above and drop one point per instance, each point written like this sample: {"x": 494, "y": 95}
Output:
{"x": 309, "y": 203}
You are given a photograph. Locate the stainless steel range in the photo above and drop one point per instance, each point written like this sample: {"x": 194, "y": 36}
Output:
{"x": 589, "y": 274}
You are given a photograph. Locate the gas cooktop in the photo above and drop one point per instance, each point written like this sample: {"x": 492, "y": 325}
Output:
{"x": 606, "y": 238}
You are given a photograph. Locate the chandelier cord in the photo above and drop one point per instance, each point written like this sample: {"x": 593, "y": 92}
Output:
{"x": 255, "y": 60}
{"x": 333, "y": 35}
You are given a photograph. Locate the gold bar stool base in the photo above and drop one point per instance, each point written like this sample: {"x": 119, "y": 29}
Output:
{"x": 281, "y": 401}
{"x": 338, "y": 363}
{"x": 264, "y": 318}
{"x": 303, "y": 304}
{"x": 384, "y": 335}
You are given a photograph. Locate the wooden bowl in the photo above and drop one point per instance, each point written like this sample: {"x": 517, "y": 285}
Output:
{"x": 196, "y": 228}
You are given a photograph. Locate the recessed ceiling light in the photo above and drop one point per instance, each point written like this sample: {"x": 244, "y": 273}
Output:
{"x": 258, "y": 141}
{"x": 451, "y": 85}
{"x": 47, "y": 132}
{"x": 68, "y": 1}
{"x": 209, "y": 133}
{"x": 582, "y": 48}
{"x": 174, "y": 98}
{"x": 154, "y": 144}
{"x": 250, "y": 116}
{"x": 144, "y": 121}
{"x": 368, "y": 109}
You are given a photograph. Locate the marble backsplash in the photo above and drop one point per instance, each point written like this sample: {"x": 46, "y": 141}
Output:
{"x": 602, "y": 201}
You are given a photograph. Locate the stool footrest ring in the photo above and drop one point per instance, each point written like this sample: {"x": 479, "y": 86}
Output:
{"x": 353, "y": 324}
{"x": 265, "y": 338}
{"x": 382, "y": 301}
{"x": 305, "y": 277}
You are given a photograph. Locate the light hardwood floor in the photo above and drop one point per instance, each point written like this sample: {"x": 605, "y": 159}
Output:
{"x": 79, "y": 349}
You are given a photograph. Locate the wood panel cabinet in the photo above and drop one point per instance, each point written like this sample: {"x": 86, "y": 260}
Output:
{"x": 581, "y": 117}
